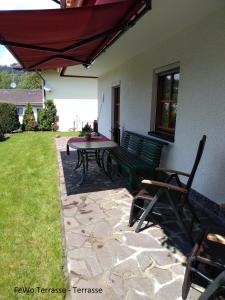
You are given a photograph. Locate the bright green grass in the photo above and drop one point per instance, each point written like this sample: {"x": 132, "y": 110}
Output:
{"x": 30, "y": 239}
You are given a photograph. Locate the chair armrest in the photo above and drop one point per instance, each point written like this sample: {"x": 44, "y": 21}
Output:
{"x": 217, "y": 238}
{"x": 165, "y": 185}
{"x": 172, "y": 171}
{"x": 222, "y": 205}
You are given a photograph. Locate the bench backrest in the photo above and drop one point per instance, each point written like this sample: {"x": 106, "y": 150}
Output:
{"x": 147, "y": 149}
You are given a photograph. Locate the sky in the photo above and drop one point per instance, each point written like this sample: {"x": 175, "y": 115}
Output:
{"x": 5, "y": 56}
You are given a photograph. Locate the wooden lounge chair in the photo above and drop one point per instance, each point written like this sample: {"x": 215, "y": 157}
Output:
{"x": 206, "y": 263}
{"x": 144, "y": 202}
{"x": 215, "y": 290}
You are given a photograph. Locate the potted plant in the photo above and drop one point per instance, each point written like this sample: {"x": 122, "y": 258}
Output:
{"x": 86, "y": 131}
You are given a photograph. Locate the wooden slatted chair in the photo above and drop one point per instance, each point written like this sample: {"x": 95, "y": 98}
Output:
{"x": 215, "y": 290}
{"x": 144, "y": 202}
{"x": 206, "y": 262}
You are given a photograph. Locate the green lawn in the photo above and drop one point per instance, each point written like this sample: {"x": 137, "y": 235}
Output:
{"x": 30, "y": 245}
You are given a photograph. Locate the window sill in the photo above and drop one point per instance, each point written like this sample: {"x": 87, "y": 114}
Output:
{"x": 161, "y": 136}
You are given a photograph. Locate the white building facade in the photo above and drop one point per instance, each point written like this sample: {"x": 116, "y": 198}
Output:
{"x": 174, "y": 37}
{"x": 196, "y": 49}
{"x": 75, "y": 99}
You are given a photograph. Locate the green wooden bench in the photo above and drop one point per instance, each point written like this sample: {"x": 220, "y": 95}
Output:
{"x": 138, "y": 156}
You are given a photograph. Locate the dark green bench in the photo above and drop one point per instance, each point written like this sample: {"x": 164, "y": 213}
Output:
{"x": 138, "y": 156}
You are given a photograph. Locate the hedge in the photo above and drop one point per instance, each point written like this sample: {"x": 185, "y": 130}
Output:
{"x": 9, "y": 120}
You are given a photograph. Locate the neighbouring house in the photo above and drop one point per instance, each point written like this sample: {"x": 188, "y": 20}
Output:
{"x": 75, "y": 99}
{"x": 20, "y": 98}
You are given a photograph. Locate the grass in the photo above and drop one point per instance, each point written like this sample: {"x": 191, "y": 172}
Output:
{"x": 30, "y": 245}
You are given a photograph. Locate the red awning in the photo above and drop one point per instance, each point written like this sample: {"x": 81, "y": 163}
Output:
{"x": 44, "y": 39}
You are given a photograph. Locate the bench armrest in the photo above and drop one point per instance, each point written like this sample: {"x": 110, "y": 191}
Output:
{"x": 217, "y": 238}
{"x": 172, "y": 171}
{"x": 165, "y": 185}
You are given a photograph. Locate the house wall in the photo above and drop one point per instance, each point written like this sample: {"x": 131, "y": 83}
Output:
{"x": 75, "y": 99}
{"x": 201, "y": 102}
{"x": 35, "y": 109}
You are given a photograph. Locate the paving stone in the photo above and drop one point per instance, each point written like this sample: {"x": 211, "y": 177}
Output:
{"x": 141, "y": 240}
{"x": 178, "y": 269}
{"x": 73, "y": 280}
{"x": 140, "y": 286}
{"x": 120, "y": 251}
{"x": 116, "y": 283}
{"x": 115, "y": 209}
{"x": 89, "y": 214}
{"x": 105, "y": 256}
{"x": 94, "y": 264}
{"x": 163, "y": 257}
{"x": 145, "y": 261}
{"x": 78, "y": 267}
{"x": 122, "y": 226}
{"x": 113, "y": 220}
{"x": 69, "y": 211}
{"x": 81, "y": 253}
{"x": 70, "y": 223}
{"x": 193, "y": 294}
{"x": 160, "y": 275}
{"x": 74, "y": 240}
{"x": 132, "y": 295}
{"x": 170, "y": 291}
{"x": 127, "y": 269}
{"x": 102, "y": 229}
{"x": 157, "y": 232}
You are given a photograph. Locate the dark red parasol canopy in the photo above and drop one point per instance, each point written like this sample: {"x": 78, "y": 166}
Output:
{"x": 44, "y": 39}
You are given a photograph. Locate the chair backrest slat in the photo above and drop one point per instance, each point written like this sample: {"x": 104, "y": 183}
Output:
{"x": 147, "y": 149}
{"x": 196, "y": 162}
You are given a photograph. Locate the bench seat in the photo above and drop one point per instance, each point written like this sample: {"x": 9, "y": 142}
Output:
{"x": 138, "y": 156}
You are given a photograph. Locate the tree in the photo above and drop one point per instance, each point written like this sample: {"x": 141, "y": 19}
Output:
{"x": 29, "y": 122}
{"x": 9, "y": 120}
{"x": 47, "y": 116}
{"x": 5, "y": 80}
{"x": 29, "y": 80}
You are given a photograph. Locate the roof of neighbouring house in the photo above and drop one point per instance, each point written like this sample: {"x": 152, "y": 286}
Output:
{"x": 21, "y": 97}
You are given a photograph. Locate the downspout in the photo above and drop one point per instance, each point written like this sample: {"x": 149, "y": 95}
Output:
{"x": 43, "y": 84}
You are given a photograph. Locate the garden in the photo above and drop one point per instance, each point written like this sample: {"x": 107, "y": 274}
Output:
{"x": 31, "y": 248}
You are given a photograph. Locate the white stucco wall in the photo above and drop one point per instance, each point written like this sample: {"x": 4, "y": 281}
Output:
{"x": 200, "y": 50}
{"x": 75, "y": 99}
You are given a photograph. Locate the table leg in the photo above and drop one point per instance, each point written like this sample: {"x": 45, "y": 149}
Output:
{"x": 79, "y": 161}
{"x": 102, "y": 162}
{"x": 84, "y": 162}
{"x": 98, "y": 158}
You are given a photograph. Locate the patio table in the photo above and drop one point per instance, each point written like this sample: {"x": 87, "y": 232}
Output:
{"x": 87, "y": 149}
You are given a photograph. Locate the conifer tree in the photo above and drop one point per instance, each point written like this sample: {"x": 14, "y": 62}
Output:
{"x": 29, "y": 122}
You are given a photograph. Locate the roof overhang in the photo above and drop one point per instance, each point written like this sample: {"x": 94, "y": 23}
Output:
{"x": 45, "y": 39}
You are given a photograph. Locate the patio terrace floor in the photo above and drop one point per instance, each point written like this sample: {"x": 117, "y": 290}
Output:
{"x": 102, "y": 251}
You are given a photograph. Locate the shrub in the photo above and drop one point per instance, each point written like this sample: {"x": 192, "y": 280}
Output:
{"x": 87, "y": 128}
{"x": 9, "y": 120}
{"x": 29, "y": 122}
{"x": 1, "y": 132}
{"x": 47, "y": 117}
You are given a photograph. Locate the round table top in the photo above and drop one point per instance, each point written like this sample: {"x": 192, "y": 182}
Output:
{"x": 89, "y": 145}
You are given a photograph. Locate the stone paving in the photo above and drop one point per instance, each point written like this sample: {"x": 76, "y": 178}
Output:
{"x": 102, "y": 251}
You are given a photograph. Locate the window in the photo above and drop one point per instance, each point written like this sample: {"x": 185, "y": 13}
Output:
{"x": 20, "y": 111}
{"x": 166, "y": 108}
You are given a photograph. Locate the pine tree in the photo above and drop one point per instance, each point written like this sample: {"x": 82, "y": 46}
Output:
{"x": 47, "y": 116}
{"x": 29, "y": 122}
